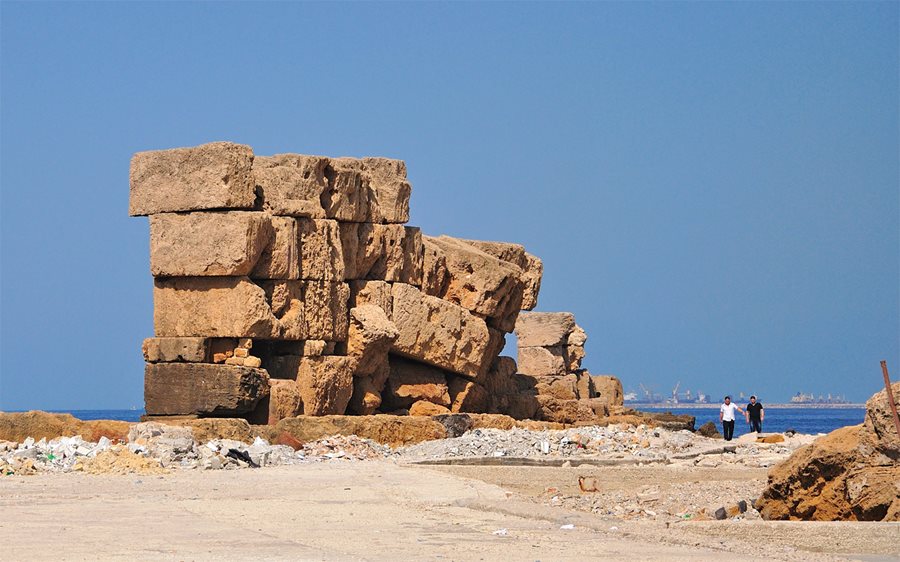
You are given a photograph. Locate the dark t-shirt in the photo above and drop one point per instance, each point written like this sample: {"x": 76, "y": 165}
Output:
{"x": 755, "y": 410}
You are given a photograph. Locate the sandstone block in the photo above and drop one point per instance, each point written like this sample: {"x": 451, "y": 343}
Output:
{"x": 326, "y": 312}
{"x": 284, "y": 400}
{"x": 321, "y": 251}
{"x": 466, "y": 396}
{"x": 175, "y": 350}
{"x": 280, "y": 259}
{"x": 197, "y": 244}
{"x": 584, "y": 385}
{"x": 532, "y": 267}
{"x": 251, "y": 361}
{"x": 389, "y": 252}
{"x": 572, "y": 357}
{"x": 560, "y": 387}
{"x": 441, "y": 333}
{"x": 235, "y": 361}
{"x": 410, "y": 382}
{"x": 241, "y": 352}
{"x": 542, "y": 361}
{"x": 345, "y": 197}
{"x": 202, "y": 388}
{"x": 547, "y": 329}
{"x": 291, "y": 184}
{"x": 435, "y": 276}
{"x": 880, "y": 422}
{"x": 425, "y": 408}
{"x": 373, "y": 292}
{"x": 578, "y": 337}
{"x": 366, "y": 396}
{"x": 609, "y": 389}
{"x": 212, "y": 306}
{"x": 480, "y": 282}
{"x": 210, "y": 176}
{"x": 369, "y": 339}
{"x": 326, "y": 384}
{"x": 389, "y": 430}
{"x": 389, "y": 190}
{"x": 564, "y": 411}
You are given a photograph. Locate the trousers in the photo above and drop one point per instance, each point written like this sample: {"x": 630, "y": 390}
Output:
{"x": 728, "y": 429}
{"x": 756, "y": 425}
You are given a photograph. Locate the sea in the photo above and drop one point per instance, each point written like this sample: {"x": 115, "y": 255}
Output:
{"x": 778, "y": 420}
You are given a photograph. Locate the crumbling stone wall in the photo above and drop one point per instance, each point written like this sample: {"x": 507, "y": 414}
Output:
{"x": 291, "y": 284}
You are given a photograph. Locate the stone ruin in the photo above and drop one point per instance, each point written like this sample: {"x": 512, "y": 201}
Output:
{"x": 290, "y": 285}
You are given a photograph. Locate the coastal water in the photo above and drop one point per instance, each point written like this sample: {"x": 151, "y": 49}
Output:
{"x": 778, "y": 420}
{"x": 802, "y": 420}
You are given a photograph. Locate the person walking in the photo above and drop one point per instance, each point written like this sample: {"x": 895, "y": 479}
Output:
{"x": 755, "y": 415}
{"x": 726, "y": 416}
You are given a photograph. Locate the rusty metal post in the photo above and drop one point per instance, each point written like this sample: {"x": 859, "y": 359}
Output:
{"x": 890, "y": 395}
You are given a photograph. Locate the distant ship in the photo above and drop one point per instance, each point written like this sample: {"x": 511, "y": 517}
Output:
{"x": 649, "y": 397}
{"x": 801, "y": 398}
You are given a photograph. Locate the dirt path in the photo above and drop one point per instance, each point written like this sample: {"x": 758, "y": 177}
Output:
{"x": 329, "y": 511}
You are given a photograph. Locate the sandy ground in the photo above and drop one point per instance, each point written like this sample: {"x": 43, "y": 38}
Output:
{"x": 377, "y": 510}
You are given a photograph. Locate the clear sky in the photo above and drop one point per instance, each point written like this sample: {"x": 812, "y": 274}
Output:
{"x": 713, "y": 187}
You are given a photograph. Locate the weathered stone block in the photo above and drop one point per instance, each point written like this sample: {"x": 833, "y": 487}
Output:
{"x": 326, "y": 312}
{"x": 585, "y": 385}
{"x": 291, "y": 184}
{"x": 565, "y": 411}
{"x": 573, "y": 355}
{"x": 479, "y": 282}
{"x": 563, "y": 387}
{"x": 345, "y": 197}
{"x": 410, "y": 382}
{"x": 212, "y": 306}
{"x": 435, "y": 276}
{"x": 202, "y": 389}
{"x": 175, "y": 350}
{"x": 542, "y": 361}
{"x": 197, "y": 244}
{"x": 210, "y": 176}
{"x": 608, "y": 389}
{"x": 440, "y": 333}
{"x": 373, "y": 292}
{"x": 389, "y": 190}
{"x": 366, "y": 396}
{"x": 326, "y": 384}
{"x": 284, "y": 400}
{"x": 531, "y": 266}
{"x": 467, "y": 396}
{"x": 321, "y": 251}
{"x": 389, "y": 252}
{"x": 426, "y": 408}
{"x": 369, "y": 339}
{"x": 547, "y": 329}
{"x": 389, "y": 430}
{"x": 281, "y": 257}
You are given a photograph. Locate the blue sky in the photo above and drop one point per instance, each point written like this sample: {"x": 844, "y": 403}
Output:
{"x": 713, "y": 187}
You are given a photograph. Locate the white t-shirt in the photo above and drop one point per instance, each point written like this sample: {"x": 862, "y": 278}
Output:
{"x": 728, "y": 411}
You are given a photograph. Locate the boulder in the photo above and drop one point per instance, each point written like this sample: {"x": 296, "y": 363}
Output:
{"x": 466, "y": 396}
{"x": 564, "y": 387}
{"x": 880, "y": 421}
{"x": 214, "y": 244}
{"x": 477, "y": 281}
{"x": 564, "y": 411}
{"x": 284, "y": 401}
{"x": 202, "y": 389}
{"x": 280, "y": 259}
{"x": 426, "y": 408}
{"x": 210, "y": 176}
{"x": 291, "y": 184}
{"x": 542, "y": 361}
{"x": 389, "y": 252}
{"x": 369, "y": 339}
{"x": 442, "y": 334}
{"x": 389, "y": 190}
{"x": 213, "y": 307}
{"x": 371, "y": 292}
{"x": 572, "y": 357}
{"x": 532, "y": 267}
{"x": 585, "y": 385}
{"x": 176, "y": 350}
{"x": 410, "y": 382}
{"x": 18, "y": 426}
{"x": 388, "y": 430}
{"x": 544, "y": 329}
{"x": 366, "y": 397}
{"x": 321, "y": 251}
{"x": 326, "y": 384}
{"x": 710, "y": 430}
{"x": 609, "y": 389}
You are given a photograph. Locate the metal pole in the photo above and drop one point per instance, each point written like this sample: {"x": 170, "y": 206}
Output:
{"x": 890, "y": 395}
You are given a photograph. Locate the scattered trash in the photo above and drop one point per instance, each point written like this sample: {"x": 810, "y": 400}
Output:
{"x": 501, "y": 532}
{"x": 567, "y": 527}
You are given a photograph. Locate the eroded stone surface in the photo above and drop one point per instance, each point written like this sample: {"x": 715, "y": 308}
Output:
{"x": 280, "y": 259}
{"x": 544, "y": 329}
{"x": 373, "y": 292}
{"x": 390, "y": 252}
{"x": 321, "y": 251}
{"x": 326, "y": 384}
{"x": 291, "y": 184}
{"x": 410, "y": 382}
{"x": 531, "y": 266}
{"x": 202, "y": 389}
{"x": 370, "y": 337}
{"x": 542, "y": 361}
{"x": 172, "y": 350}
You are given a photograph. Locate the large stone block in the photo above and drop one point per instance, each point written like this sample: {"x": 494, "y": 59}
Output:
{"x": 389, "y": 430}
{"x": 198, "y": 244}
{"x": 389, "y": 190}
{"x": 390, "y": 252}
{"x": 176, "y": 350}
{"x": 326, "y": 312}
{"x": 369, "y": 339}
{"x": 210, "y": 176}
{"x": 291, "y": 184}
{"x": 281, "y": 257}
{"x": 562, "y": 387}
{"x": 545, "y": 329}
{"x": 608, "y": 389}
{"x": 410, "y": 382}
{"x": 479, "y": 282}
{"x": 284, "y": 400}
{"x": 345, "y": 197}
{"x": 373, "y": 292}
{"x": 542, "y": 361}
{"x": 366, "y": 398}
{"x": 212, "y": 306}
{"x": 202, "y": 389}
{"x": 435, "y": 276}
{"x": 326, "y": 384}
{"x": 441, "y": 333}
{"x": 531, "y": 266}
{"x": 288, "y": 303}
{"x": 321, "y": 251}
{"x": 467, "y": 396}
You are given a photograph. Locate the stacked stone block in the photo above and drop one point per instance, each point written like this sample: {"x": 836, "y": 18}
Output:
{"x": 551, "y": 349}
{"x": 291, "y": 284}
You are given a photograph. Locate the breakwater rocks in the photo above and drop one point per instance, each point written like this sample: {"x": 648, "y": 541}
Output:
{"x": 852, "y": 473}
{"x": 291, "y": 285}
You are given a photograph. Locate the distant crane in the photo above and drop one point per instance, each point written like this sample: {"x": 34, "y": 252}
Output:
{"x": 646, "y": 392}
{"x": 675, "y": 392}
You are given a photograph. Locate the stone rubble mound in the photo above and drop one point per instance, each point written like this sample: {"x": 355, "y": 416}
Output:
{"x": 851, "y": 474}
{"x": 291, "y": 285}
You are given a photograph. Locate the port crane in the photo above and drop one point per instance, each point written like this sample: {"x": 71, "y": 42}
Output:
{"x": 675, "y": 393}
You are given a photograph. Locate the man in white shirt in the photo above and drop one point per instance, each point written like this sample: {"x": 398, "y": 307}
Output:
{"x": 726, "y": 416}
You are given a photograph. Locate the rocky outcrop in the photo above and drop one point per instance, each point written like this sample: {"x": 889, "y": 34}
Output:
{"x": 852, "y": 473}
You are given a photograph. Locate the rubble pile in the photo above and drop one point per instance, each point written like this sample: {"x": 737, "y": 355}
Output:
{"x": 291, "y": 284}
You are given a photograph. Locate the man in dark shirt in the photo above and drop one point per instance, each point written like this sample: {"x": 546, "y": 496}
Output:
{"x": 755, "y": 415}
